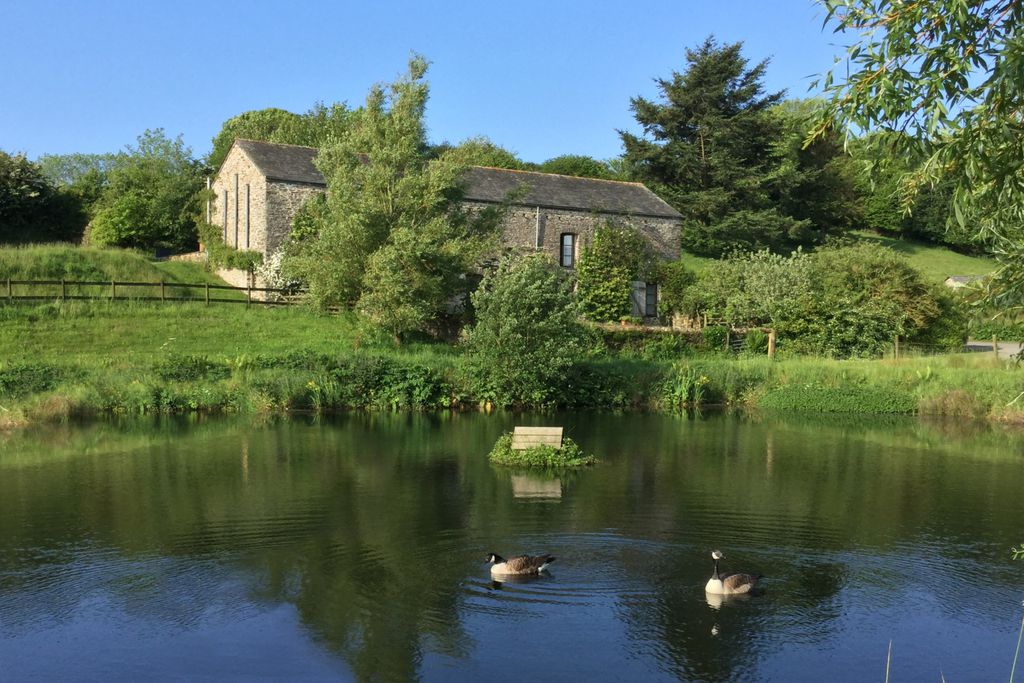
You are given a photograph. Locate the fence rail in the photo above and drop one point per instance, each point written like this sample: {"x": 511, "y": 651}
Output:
{"x": 108, "y": 291}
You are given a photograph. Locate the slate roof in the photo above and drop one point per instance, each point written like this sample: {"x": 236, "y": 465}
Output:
{"x": 964, "y": 279}
{"x": 293, "y": 163}
{"x": 290, "y": 163}
{"x": 552, "y": 191}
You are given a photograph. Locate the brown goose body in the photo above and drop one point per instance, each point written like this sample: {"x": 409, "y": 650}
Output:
{"x": 733, "y": 583}
{"x": 520, "y": 565}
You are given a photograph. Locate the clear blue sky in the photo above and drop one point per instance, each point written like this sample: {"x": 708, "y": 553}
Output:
{"x": 540, "y": 78}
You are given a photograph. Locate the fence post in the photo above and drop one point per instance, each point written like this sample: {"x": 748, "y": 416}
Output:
{"x": 896, "y": 348}
{"x": 248, "y": 295}
{"x": 995, "y": 347}
{"x": 10, "y": 291}
{"x": 63, "y": 290}
{"x": 163, "y": 296}
{"x": 113, "y": 290}
{"x": 727, "y": 331}
{"x": 207, "y": 293}
{"x": 771, "y": 343}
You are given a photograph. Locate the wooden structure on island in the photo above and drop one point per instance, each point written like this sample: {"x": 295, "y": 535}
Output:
{"x": 528, "y": 437}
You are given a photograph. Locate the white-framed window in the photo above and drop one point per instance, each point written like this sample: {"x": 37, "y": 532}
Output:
{"x": 567, "y": 253}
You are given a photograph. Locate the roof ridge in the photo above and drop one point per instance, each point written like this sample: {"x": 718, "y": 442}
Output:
{"x": 563, "y": 175}
{"x": 279, "y": 144}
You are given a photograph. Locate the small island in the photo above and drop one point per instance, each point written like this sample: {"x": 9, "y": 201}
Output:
{"x": 509, "y": 453}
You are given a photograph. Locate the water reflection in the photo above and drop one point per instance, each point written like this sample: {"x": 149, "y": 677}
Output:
{"x": 368, "y": 531}
{"x": 536, "y": 487}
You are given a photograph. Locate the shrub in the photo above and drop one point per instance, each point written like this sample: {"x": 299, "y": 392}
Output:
{"x": 714, "y": 336}
{"x": 185, "y": 368}
{"x": 615, "y": 257}
{"x": 850, "y": 398}
{"x": 756, "y": 341}
{"x": 569, "y": 455}
{"x": 526, "y": 336}
{"x": 20, "y": 379}
{"x": 674, "y": 282}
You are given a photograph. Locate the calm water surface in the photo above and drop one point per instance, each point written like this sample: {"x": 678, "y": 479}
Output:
{"x": 352, "y": 549}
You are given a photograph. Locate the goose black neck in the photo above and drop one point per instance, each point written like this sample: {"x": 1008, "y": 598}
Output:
{"x": 716, "y": 569}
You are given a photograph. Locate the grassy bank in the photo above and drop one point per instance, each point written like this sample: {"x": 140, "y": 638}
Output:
{"x": 934, "y": 261}
{"x": 75, "y": 358}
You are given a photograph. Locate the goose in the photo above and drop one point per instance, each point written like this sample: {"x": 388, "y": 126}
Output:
{"x": 729, "y": 584}
{"x": 518, "y": 566}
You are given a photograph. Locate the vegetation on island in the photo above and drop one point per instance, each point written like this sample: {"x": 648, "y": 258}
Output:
{"x": 569, "y": 455}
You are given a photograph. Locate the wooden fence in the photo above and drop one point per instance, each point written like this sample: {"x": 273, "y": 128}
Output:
{"x": 49, "y": 290}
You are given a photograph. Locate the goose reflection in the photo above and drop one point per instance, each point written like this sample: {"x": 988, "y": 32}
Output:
{"x": 497, "y": 582}
{"x": 717, "y": 601}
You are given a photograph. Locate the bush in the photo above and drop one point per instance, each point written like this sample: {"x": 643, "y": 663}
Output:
{"x": 615, "y": 257}
{"x": 849, "y": 398}
{"x": 185, "y": 368}
{"x": 756, "y": 342}
{"x": 20, "y": 379}
{"x": 714, "y": 336}
{"x": 526, "y": 336}
{"x": 674, "y": 281}
{"x": 569, "y": 455}
{"x": 610, "y": 384}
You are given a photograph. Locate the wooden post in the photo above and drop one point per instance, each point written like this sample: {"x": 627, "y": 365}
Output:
{"x": 163, "y": 295}
{"x": 995, "y": 347}
{"x": 63, "y": 289}
{"x": 248, "y": 295}
{"x": 896, "y": 347}
{"x": 113, "y": 290}
{"x": 10, "y": 291}
{"x": 207, "y": 293}
{"x": 771, "y": 343}
{"x": 727, "y": 330}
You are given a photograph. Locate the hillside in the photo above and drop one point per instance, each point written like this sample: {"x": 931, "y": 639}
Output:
{"x": 937, "y": 263}
{"x": 53, "y": 262}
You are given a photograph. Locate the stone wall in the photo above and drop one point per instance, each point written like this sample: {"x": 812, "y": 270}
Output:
{"x": 283, "y": 201}
{"x": 533, "y": 227}
{"x": 241, "y": 196}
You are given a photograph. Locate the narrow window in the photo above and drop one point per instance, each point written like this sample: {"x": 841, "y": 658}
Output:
{"x": 236, "y": 211}
{"x": 651, "y": 304}
{"x": 247, "y": 215}
{"x": 568, "y": 257}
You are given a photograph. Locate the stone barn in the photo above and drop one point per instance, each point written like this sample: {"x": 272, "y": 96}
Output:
{"x": 261, "y": 185}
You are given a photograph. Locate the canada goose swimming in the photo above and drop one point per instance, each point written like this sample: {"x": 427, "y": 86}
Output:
{"x": 729, "y": 584}
{"x": 518, "y": 566}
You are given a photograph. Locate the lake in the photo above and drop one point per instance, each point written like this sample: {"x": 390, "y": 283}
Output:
{"x": 352, "y": 548}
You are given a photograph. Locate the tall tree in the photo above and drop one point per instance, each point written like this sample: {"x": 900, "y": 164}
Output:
{"x": 709, "y": 147}
{"x": 479, "y": 151}
{"x": 578, "y": 165}
{"x": 946, "y": 75}
{"x": 311, "y": 129}
{"x": 393, "y": 241}
{"x": 817, "y": 182}
{"x": 32, "y": 209}
{"x": 151, "y": 198}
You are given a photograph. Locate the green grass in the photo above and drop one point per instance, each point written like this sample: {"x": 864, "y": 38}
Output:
{"x": 55, "y": 261}
{"x": 119, "y": 332}
{"x": 697, "y": 264}
{"x": 937, "y": 263}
